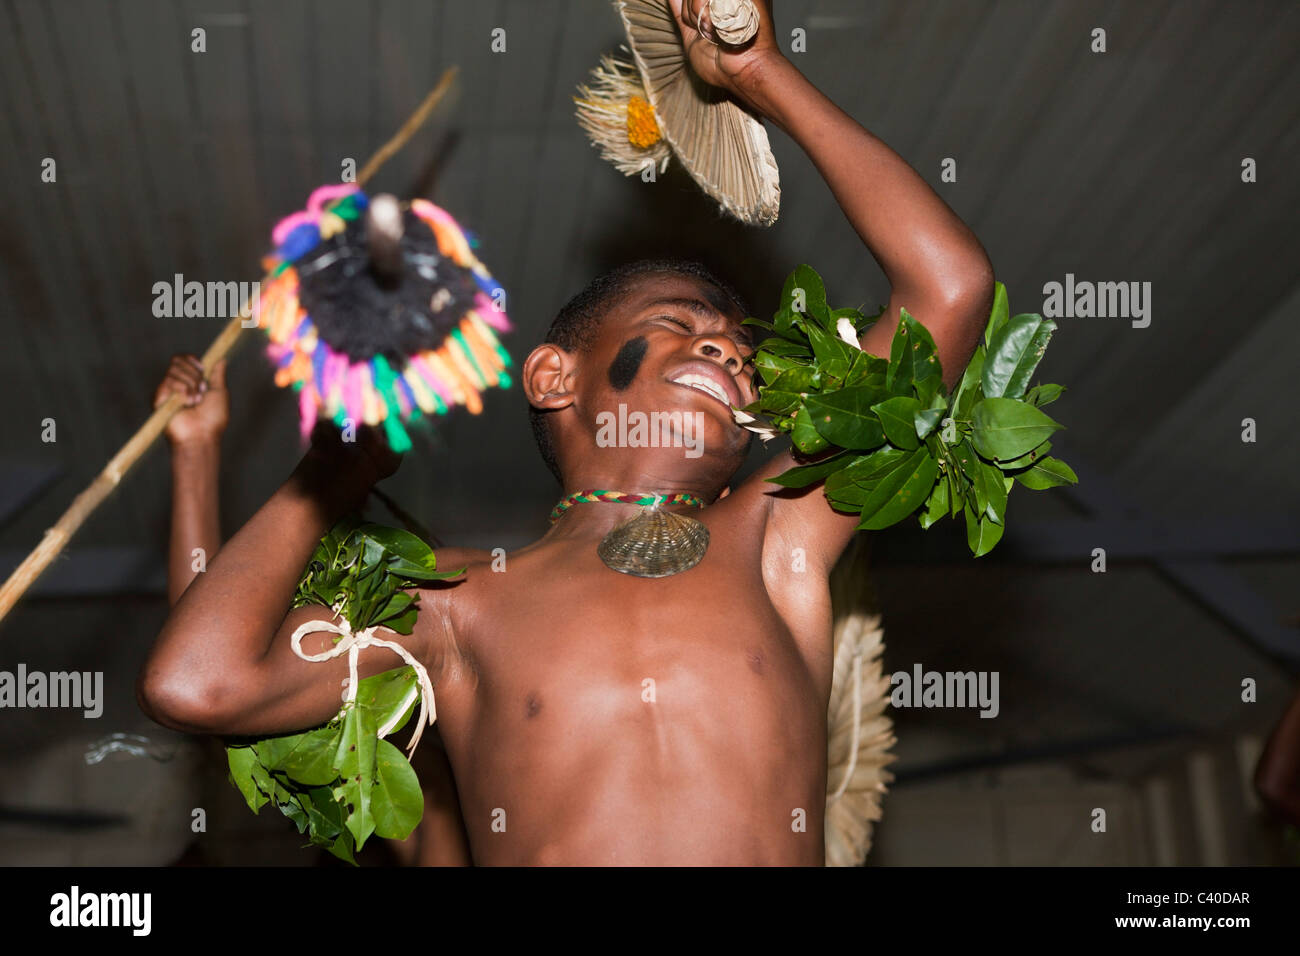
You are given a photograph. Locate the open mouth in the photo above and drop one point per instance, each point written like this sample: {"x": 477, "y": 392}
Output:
{"x": 704, "y": 384}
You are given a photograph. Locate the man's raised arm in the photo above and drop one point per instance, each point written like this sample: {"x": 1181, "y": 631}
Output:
{"x": 935, "y": 265}
{"x": 223, "y": 662}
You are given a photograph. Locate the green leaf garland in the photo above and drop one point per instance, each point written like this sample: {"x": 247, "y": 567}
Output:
{"x": 885, "y": 436}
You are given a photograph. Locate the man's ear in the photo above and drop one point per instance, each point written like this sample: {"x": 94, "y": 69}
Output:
{"x": 548, "y": 377}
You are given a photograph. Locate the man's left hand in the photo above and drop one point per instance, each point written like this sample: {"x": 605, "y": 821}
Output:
{"x": 734, "y": 68}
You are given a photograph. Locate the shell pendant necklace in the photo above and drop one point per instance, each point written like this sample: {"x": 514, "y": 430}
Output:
{"x": 652, "y": 544}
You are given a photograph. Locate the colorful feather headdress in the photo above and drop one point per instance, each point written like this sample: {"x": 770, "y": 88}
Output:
{"x": 380, "y": 312}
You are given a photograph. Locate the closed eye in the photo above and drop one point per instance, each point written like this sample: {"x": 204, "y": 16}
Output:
{"x": 676, "y": 321}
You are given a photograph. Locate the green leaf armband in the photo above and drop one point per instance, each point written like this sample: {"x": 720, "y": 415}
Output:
{"x": 342, "y": 782}
{"x": 889, "y": 440}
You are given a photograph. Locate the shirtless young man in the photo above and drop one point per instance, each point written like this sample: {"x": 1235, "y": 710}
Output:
{"x": 592, "y": 717}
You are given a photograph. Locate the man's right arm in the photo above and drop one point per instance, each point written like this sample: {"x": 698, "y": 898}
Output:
{"x": 223, "y": 662}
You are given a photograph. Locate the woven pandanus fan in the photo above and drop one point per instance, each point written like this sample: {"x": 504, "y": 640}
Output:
{"x": 644, "y": 111}
{"x": 860, "y": 730}
{"x": 379, "y": 312}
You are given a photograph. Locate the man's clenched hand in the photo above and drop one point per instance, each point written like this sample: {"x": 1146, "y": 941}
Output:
{"x": 364, "y": 461}
{"x": 734, "y": 68}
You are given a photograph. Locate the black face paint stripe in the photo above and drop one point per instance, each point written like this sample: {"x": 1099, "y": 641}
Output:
{"x": 627, "y": 363}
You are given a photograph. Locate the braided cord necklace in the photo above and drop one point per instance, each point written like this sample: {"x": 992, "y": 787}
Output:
{"x": 654, "y": 543}
{"x": 594, "y": 494}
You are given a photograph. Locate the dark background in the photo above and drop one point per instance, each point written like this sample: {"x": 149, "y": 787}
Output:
{"x": 1120, "y": 690}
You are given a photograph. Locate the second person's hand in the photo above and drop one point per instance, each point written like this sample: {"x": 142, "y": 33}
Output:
{"x": 207, "y": 404}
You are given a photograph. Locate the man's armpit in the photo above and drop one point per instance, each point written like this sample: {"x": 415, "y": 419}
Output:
{"x": 447, "y": 658}
{"x": 803, "y": 525}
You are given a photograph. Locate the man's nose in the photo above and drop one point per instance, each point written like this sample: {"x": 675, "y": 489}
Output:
{"x": 720, "y": 349}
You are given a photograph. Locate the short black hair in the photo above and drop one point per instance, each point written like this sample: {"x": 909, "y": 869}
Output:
{"x": 576, "y": 324}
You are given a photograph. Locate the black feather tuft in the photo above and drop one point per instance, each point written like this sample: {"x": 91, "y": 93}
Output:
{"x": 361, "y": 314}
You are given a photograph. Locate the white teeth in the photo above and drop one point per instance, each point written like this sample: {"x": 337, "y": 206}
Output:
{"x": 704, "y": 384}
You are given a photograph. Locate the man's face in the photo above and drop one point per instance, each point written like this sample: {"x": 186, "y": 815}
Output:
{"x": 674, "y": 351}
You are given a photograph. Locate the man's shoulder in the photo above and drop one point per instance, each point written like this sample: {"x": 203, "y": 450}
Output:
{"x": 453, "y": 557}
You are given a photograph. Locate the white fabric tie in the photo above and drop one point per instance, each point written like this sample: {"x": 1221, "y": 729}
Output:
{"x": 352, "y": 644}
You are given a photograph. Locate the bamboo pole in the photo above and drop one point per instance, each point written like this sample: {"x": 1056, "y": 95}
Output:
{"x": 111, "y": 476}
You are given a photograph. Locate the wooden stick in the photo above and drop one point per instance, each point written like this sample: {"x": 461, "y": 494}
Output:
{"x": 414, "y": 122}
{"x": 58, "y": 536}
